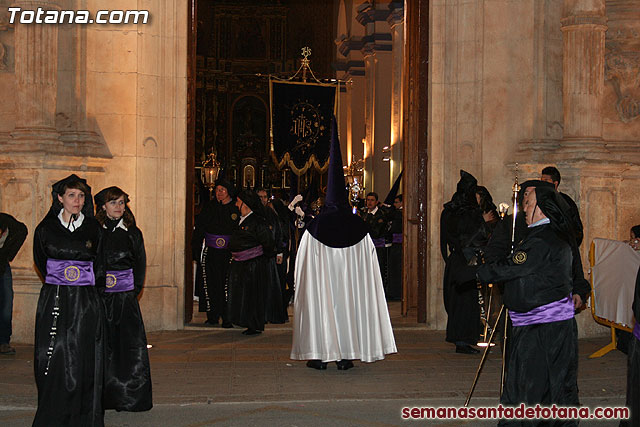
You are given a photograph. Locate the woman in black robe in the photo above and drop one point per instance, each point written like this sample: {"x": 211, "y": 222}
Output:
{"x": 251, "y": 245}
{"x": 127, "y": 385}
{"x": 69, "y": 333}
{"x": 542, "y": 348}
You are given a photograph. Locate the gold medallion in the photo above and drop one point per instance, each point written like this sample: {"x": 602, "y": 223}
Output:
{"x": 111, "y": 280}
{"x": 519, "y": 257}
{"x": 72, "y": 273}
{"x": 234, "y": 216}
{"x": 220, "y": 242}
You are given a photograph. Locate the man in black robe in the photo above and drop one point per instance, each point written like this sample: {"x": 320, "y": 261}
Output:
{"x": 251, "y": 245}
{"x": 394, "y": 238}
{"x": 376, "y": 220}
{"x": 552, "y": 174}
{"x": 274, "y": 311}
{"x": 537, "y": 291}
{"x": 215, "y": 224}
{"x": 12, "y": 236}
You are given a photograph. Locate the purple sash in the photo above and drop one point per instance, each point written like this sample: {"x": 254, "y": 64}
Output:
{"x": 119, "y": 280}
{"x": 397, "y": 238}
{"x": 247, "y": 254}
{"x": 552, "y": 312}
{"x": 216, "y": 241}
{"x": 636, "y": 330}
{"x": 379, "y": 242}
{"x": 70, "y": 272}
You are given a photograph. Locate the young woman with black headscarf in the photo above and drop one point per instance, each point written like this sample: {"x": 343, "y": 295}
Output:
{"x": 69, "y": 334}
{"x": 127, "y": 373}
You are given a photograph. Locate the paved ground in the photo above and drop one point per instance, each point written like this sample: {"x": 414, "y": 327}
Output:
{"x": 219, "y": 377}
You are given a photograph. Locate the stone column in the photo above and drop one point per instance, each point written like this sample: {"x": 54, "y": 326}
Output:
{"x": 369, "y": 115}
{"x": 583, "y": 29}
{"x": 36, "y": 69}
{"x": 396, "y": 23}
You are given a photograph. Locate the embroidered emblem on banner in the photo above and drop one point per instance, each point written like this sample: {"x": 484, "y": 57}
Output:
{"x": 220, "y": 242}
{"x": 111, "y": 280}
{"x": 519, "y": 257}
{"x": 72, "y": 273}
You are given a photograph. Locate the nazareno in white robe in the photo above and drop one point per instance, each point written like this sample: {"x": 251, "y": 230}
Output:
{"x": 340, "y": 311}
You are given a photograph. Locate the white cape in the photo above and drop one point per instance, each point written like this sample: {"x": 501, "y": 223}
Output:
{"x": 340, "y": 311}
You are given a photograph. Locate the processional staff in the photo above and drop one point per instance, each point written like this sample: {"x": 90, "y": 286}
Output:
{"x": 515, "y": 189}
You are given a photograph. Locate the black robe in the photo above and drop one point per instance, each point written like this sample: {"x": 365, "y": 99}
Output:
{"x": 274, "y": 310}
{"x": 541, "y": 365}
{"x": 127, "y": 372}
{"x": 633, "y": 367}
{"x": 71, "y": 393}
{"x": 220, "y": 219}
{"x": 248, "y": 279}
{"x": 463, "y": 234}
{"x": 393, "y": 290}
{"x": 378, "y": 226}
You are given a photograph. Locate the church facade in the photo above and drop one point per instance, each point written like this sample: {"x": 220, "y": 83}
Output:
{"x": 432, "y": 87}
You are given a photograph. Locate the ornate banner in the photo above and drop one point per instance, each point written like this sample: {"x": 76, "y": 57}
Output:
{"x": 301, "y": 124}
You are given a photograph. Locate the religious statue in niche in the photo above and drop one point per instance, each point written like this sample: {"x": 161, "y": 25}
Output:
{"x": 622, "y": 69}
{"x": 248, "y": 177}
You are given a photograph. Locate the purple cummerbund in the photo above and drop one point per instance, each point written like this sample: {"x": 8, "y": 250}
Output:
{"x": 216, "y": 241}
{"x": 552, "y": 312}
{"x": 247, "y": 254}
{"x": 119, "y": 280}
{"x": 378, "y": 243}
{"x": 70, "y": 272}
{"x": 397, "y": 238}
{"x": 636, "y": 330}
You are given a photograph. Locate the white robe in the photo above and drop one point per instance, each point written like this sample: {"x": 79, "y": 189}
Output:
{"x": 340, "y": 311}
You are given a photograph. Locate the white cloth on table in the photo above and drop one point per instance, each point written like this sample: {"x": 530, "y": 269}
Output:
{"x": 614, "y": 280}
{"x": 340, "y": 310}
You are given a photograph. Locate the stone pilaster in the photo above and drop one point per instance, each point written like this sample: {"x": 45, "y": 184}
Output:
{"x": 396, "y": 23}
{"x": 583, "y": 29}
{"x": 369, "y": 115}
{"x": 36, "y": 70}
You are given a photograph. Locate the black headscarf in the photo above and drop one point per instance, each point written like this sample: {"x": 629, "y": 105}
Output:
{"x": 59, "y": 188}
{"x": 251, "y": 199}
{"x": 554, "y": 207}
{"x": 226, "y": 184}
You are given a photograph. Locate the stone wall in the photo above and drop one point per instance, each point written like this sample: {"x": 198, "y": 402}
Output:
{"x": 115, "y": 98}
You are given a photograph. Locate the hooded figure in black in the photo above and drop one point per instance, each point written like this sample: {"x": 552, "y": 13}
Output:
{"x": 214, "y": 226}
{"x": 127, "y": 373}
{"x": 463, "y": 233}
{"x": 69, "y": 334}
{"x": 251, "y": 246}
{"x": 542, "y": 359}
